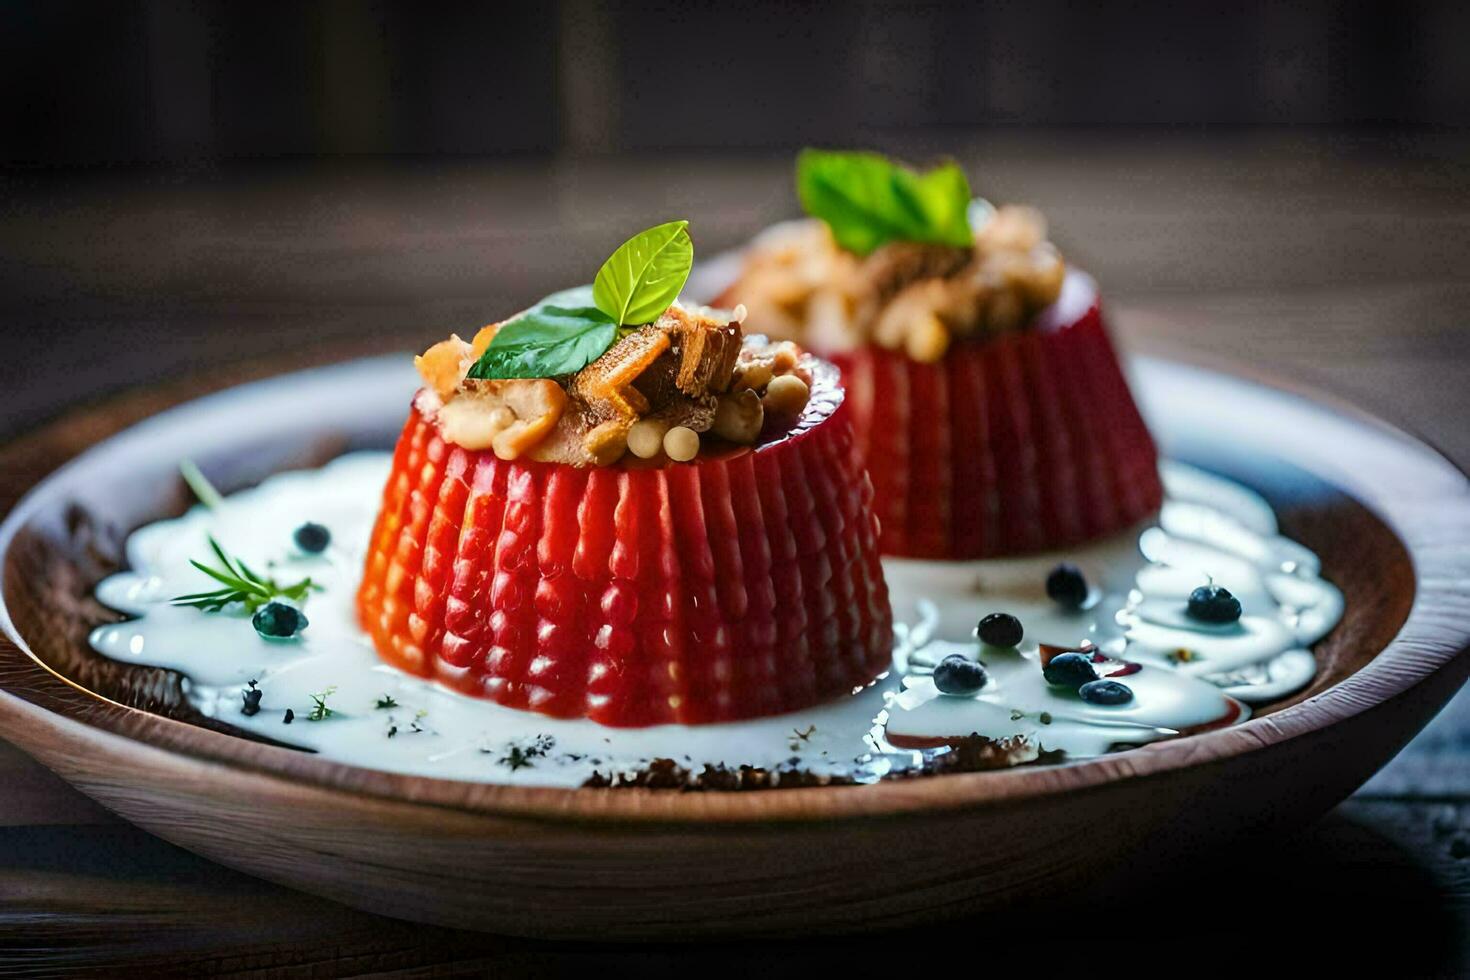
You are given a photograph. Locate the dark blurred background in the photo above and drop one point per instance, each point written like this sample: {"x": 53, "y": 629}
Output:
{"x": 189, "y": 184}
{"x": 175, "y": 81}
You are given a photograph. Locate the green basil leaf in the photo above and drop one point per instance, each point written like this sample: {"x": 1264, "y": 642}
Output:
{"x": 546, "y": 341}
{"x": 643, "y": 277}
{"x": 868, "y": 200}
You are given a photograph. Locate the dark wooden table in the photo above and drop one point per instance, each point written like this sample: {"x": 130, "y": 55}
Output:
{"x": 1334, "y": 260}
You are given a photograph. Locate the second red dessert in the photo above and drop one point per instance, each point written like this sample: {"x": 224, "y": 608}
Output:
{"x": 989, "y": 403}
{"x": 1028, "y": 441}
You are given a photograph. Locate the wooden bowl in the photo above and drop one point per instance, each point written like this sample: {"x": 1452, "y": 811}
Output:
{"x": 1390, "y": 518}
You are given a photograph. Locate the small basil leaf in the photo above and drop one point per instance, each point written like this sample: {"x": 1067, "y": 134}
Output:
{"x": 546, "y": 341}
{"x": 868, "y": 200}
{"x": 643, "y": 277}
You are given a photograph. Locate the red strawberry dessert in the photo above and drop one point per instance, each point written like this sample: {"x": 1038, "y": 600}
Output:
{"x": 615, "y": 507}
{"x": 987, "y": 398}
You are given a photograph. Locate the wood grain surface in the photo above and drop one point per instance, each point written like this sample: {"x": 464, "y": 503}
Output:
{"x": 1340, "y": 261}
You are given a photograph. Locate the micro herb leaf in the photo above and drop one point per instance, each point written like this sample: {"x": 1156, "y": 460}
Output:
{"x": 319, "y": 709}
{"x": 240, "y": 585}
{"x": 642, "y": 278}
{"x": 521, "y": 754}
{"x": 546, "y": 341}
{"x": 384, "y": 702}
{"x": 868, "y": 200}
{"x": 199, "y": 483}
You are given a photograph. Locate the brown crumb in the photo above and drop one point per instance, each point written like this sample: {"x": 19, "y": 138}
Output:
{"x": 971, "y": 753}
{"x": 669, "y": 774}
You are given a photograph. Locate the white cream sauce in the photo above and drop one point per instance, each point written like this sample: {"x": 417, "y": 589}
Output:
{"x": 1209, "y": 528}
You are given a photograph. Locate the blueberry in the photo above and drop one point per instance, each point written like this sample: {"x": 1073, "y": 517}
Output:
{"x": 958, "y": 674}
{"x": 1213, "y": 604}
{"x": 1070, "y": 670}
{"x": 1001, "y": 630}
{"x": 312, "y": 538}
{"x": 1105, "y": 692}
{"x": 1067, "y": 585}
{"x": 278, "y": 621}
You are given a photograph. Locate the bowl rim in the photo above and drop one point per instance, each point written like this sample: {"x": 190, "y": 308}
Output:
{"x": 1425, "y": 503}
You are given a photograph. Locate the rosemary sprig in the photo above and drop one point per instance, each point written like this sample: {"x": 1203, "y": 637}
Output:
{"x": 240, "y": 585}
{"x": 199, "y": 483}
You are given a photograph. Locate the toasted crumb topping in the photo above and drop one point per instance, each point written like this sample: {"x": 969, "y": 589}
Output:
{"x": 918, "y": 298}
{"x": 659, "y": 392}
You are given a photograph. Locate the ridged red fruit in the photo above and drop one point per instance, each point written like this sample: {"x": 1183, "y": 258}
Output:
{"x": 739, "y": 585}
{"x": 1026, "y": 442}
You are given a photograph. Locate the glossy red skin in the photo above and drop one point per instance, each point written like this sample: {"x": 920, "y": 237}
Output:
{"x": 739, "y": 585}
{"x": 1027, "y": 442}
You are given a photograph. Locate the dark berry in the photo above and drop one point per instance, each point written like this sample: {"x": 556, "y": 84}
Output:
{"x": 1105, "y": 692}
{"x": 1213, "y": 604}
{"x": 290, "y": 716}
{"x": 278, "y": 621}
{"x": 958, "y": 674}
{"x": 312, "y": 538}
{"x": 1067, "y": 585}
{"x": 1070, "y": 670}
{"x": 252, "y": 700}
{"x": 1001, "y": 630}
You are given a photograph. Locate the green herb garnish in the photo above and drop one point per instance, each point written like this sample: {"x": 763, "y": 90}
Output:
{"x": 199, "y": 483}
{"x": 568, "y": 330}
{"x": 546, "y": 341}
{"x": 868, "y": 200}
{"x": 386, "y": 701}
{"x": 319, "y": 709}
{"x": 643, "y": 277}
{"x": 241, "y": 585}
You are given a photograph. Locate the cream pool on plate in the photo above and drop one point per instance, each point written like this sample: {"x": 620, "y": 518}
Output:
{"x": 350, "y": 706}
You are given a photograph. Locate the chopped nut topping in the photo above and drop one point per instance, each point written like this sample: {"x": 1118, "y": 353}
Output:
{"x": 681, "y": 444}
{"x": 927, "y": 340}
{"x": 646, "y": 438}
{"x": 706, "y": 356}
{"x": 786, "y": 395}
{"x": 444, "y": 365}
{"x": 906, "y": 296}
{"x": 739, "y": 417}
{"x": 607, "y": 442}
{"x": 754, "y": 375}
{"x": 606, "y": 384}
{"x": 653, "y": 392}
{"x": 508, "y": 416}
